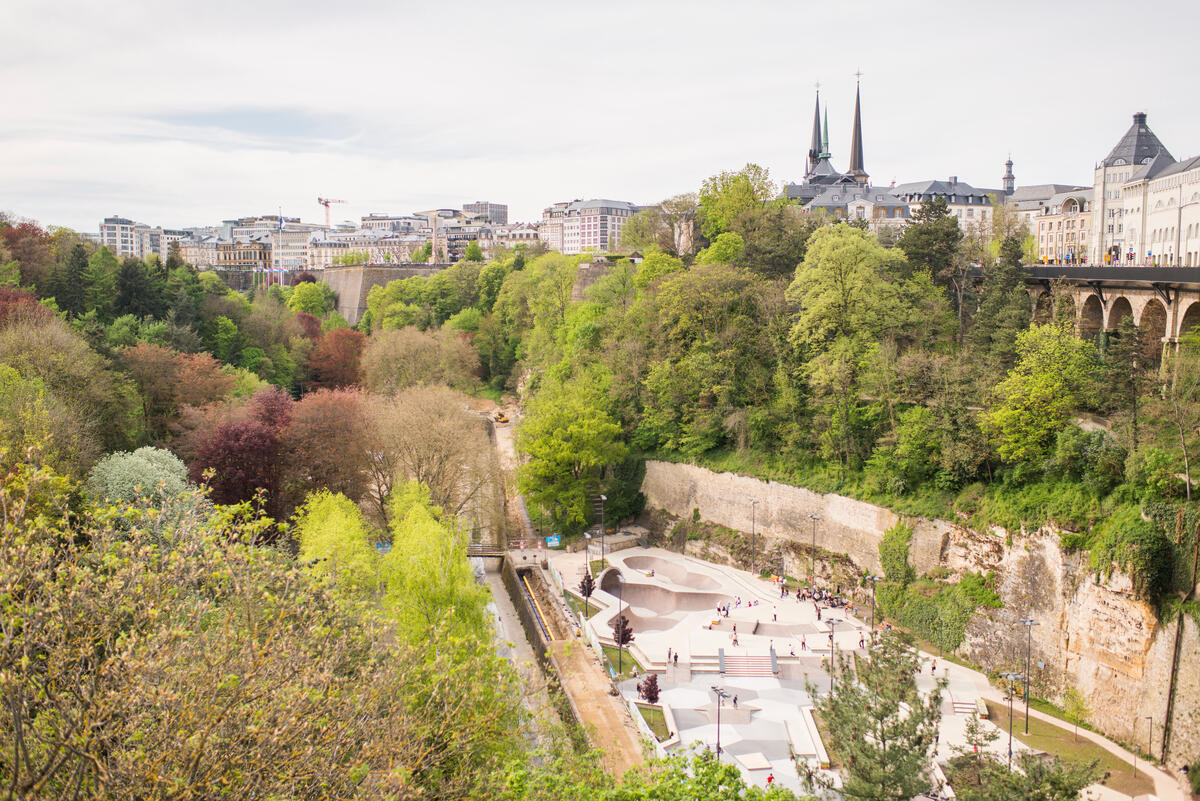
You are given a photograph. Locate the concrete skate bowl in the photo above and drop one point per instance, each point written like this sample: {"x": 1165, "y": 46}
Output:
{"x": 672, "y": 571}
{"x": 659, "y": 599}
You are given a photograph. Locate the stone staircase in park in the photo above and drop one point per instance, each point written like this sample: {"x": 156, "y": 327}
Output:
{"x": 739, "y": 665}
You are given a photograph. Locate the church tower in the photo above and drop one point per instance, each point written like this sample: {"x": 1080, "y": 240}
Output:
{"x": 856, "y": 148}
{"x": 1010, "y": 180}
{"x": 814, "y": 147}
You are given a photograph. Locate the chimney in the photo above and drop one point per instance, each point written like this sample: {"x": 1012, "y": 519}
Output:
{"x": 1139, "y": 118}
{"x": 953, "y": 179}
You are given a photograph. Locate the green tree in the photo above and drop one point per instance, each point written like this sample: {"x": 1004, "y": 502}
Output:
{"x": 473, "y": 252}
{"x": 1053, "y": 376}
{"x": 1125, "y": 373}
{"x": 1075, "y": 706}
{"x": 333, "y": 539}
{"x": 885, "y": 726}
{"x": 726, "y": 249}
{"x": 1004, "y": 312}
{"x": 725, "y": 196}
{"x": 139, "y": 291}
{"x": 776, "y": 239}
{"x": 100, "y": 283}
{"x": 569, "y": 438}
{"x": 840, "y": 288}
{"x": 70, "y": 285}
{"x": 314, "y": 297}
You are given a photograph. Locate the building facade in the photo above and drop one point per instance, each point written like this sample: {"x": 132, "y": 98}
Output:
{"x": 1161, "y": 212}
{"x": 494, "y": 213}
{"x": 1061, "y": 230}
{"x": 1137, "y": 154}
{"x": 585, "y": 226}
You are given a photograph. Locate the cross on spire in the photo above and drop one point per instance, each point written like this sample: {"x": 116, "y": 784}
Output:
{"x": 858, "y": 75}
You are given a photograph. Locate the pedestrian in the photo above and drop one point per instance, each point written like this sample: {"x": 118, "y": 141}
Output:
{"x": 818, "y": 614}
{"x": 735, "y": 702}
{"x": 676, "y": 659}
{"x": 770, "y": 779}
{"x": 803, "y": 643}
{"x": 735, "y": 639}
{"x": 771, "y": 646}
{"x": 775, "y": 613}
{"x": 861, "y": 642}
{"x": 933, "y": 668}
{"x": 668, "y": 654}
{"x": 792, "y": 649}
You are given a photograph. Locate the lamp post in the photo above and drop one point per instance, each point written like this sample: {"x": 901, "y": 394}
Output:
{"x": 620, "y": 625}
{"x": 721, "y": 696}
{"x": 603, "y": 498}
{"x": 833, "y": 621}
{"x": 1150, "y": 735}
{"x": 753, "y": 550}
{"x": 1010, "y": 677}
{"x": 812, "y": 570}
{"x": 874, "y": 580}
{"x": 1028, "y": 623}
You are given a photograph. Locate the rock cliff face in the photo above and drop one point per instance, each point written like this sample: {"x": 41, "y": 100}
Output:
{"x": 1092, "y": 633}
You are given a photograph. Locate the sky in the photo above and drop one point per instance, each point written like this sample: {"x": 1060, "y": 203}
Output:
{"x": 180, "y": 114}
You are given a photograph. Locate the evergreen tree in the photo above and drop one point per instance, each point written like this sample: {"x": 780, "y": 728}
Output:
{"x": 885, "y": 727}
{"x": 69, "y": 282}
{"x": 1125, "y": 373}
{"x": 138, "y": 293}
{"x": 1005, "y": 310}
{"x": 100, "y": 284}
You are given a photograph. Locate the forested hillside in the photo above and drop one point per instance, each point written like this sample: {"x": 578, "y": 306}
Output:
{"x": 233, "y": 551}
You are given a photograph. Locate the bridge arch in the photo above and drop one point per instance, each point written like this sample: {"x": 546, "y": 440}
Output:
{"x": 1189, "y": 319}
{"x": 1154, "y": 324}
{"x": 1043, "y": 308}
{"x": 1118, "y": 310}
{"x": 1091, "y": 319}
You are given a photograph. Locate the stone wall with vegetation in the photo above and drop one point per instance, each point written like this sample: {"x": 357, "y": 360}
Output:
{"x": 1093, "y": 631}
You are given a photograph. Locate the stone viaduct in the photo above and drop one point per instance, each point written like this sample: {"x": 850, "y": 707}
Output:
{"x": 1164, "y": 301}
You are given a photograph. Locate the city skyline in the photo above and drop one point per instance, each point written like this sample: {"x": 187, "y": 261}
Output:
{"x": 229, "y": 110}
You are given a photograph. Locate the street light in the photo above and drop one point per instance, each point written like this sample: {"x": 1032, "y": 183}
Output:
{"x": 620, "y": 626}
{"x": 833, "y": 621}
{"x": 812, "y": 570}
{"x": 874, "y": 580}
{"x": 753, "y": 550}
{"x": 1029, "y": 623}
{"x": 603, "y": 498}
{"x": 1010, "y": 677}
{"x": 721, "y": 696}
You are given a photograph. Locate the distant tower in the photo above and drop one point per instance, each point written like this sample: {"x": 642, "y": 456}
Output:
{"x": 814, "y": 147}
{"x": 825, "y": 136}
{"x": 856, "y": 149}
{"x": 1010, "y": 180}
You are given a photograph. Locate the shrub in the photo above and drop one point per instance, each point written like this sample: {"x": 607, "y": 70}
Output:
{"x": 147, "y": 474}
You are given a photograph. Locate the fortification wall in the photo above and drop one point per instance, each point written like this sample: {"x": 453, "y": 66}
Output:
{"x": 354, "y": 284}
{"x": 1093, "y": 632}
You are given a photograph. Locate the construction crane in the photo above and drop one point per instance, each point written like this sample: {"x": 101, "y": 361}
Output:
{"x": 326, "y": 202}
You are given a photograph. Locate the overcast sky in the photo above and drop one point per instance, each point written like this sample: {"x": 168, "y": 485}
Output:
{"x": 189, "y": 113}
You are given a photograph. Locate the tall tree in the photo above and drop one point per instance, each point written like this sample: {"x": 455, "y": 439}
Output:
{"x": 100, "y": 284}
{"x": 1126, "y": 378}
{"x": 726, "y": 195}
{"x": 139, "y": 291}
{"x": 885, "y": 725}
{"x": 1005, "y": 310}
{"x": 69, "y": 282}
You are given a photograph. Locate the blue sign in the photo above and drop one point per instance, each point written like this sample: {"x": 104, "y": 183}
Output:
{"x": 554, "y": 541}
{"x": 383, "y": 547}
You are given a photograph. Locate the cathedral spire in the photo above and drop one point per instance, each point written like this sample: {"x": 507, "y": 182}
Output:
{"x": 825, "y": 136}
{"x": 856, "y": 149}
{"x": 814, "y": 148}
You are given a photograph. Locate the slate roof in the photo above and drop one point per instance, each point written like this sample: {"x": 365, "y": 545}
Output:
{"x": 1156, "y": 166}
{"x": 941, "y": 188}
{"x": 846, "y": 195}
{"x": 1137, "y": 146}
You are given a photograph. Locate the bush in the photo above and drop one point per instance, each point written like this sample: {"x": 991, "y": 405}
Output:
{"x": 1151, "y": 473}
{"x": 1139, "y": 548}
{"x": 893, "y": 554}
{"x": 147, "y": 474}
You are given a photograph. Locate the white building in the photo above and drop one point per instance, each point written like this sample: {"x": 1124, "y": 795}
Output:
{"x": 972, "y": 206}
{"x": 1160, "y": 207}
{"x": 582, "y": 226}
{"x": 1137, "y": 155}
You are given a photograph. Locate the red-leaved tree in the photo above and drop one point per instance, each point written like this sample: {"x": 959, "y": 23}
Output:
{"x": 334, "y": 363}
{"x": 326, "y": 445}
{"x": 243, "y": 457}
{"x": 169, "y": 380}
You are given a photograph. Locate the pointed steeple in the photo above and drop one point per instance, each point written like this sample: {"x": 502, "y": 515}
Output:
{"x": 825, "y": 136}
{"x": 814, "y": 147}
{"x": 856, "y": 149}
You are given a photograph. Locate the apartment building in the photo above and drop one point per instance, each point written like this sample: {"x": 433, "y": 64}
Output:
{"x": 494, "y": 213}
{"x": 1061, "y": 229}
{"x": 584, "y": 226}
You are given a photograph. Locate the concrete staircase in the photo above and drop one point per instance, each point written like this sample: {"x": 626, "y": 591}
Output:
{"x": 963, "y": 707}
{"x": 739, "y": 665}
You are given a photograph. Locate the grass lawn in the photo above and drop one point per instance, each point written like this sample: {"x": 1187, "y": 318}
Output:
{"x": 577, "y": 605}
{"x": 656, "y": 720}
{"x": 597, "y": 566}
{"x": 835, "y": 759}
{"x": 628, "y": 663}
{"x": 1061, "y": 742}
